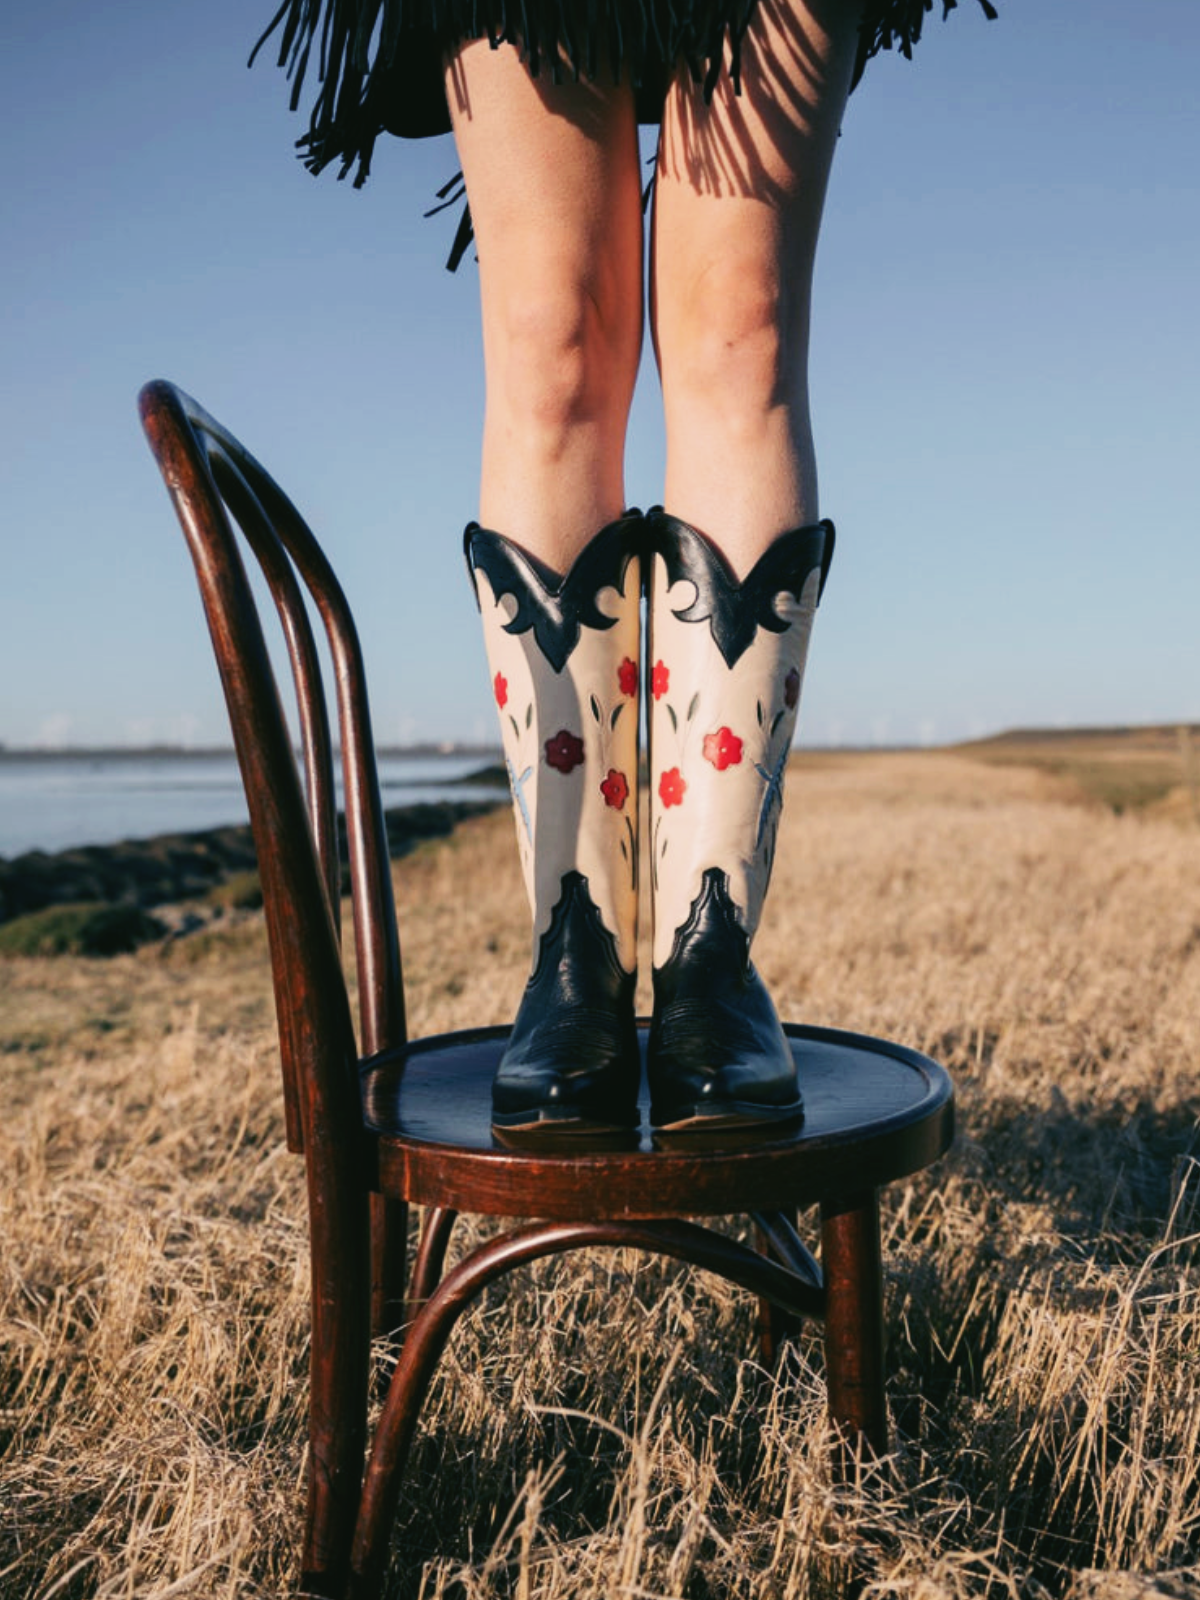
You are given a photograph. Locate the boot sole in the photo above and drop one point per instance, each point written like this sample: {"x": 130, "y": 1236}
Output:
{"x": 732, "y": 1114}
{"x": 565, "y": 1122}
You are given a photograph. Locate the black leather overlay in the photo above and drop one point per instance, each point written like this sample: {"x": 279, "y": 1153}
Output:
{"x": 735, "y": 611}
{"x": 713, "y": 935}
{"x": 717, "y": 1055}
{"x": 572, "y": 1056}
{"x": 556, "y": 606}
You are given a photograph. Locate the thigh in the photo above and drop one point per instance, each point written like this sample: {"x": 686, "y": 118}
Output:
{"x": 551, "y": 172}
{"x": 743, "y": 177}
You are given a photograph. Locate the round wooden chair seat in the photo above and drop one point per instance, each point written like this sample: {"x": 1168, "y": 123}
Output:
{"x": 874, "y": 1112}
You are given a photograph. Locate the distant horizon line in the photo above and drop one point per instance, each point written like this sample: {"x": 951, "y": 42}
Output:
{"x": 454, "y": 747}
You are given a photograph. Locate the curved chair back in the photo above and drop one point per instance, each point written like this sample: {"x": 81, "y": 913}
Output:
{"x": 209, "y": 475}
{"x": 207, "y": 472}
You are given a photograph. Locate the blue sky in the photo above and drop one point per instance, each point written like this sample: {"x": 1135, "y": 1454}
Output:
{"x": 1006, "y": 376}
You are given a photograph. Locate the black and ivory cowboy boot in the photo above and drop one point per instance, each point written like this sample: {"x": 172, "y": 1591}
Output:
{"x": 724, "y": 668}
{"x": 563, "y": 652}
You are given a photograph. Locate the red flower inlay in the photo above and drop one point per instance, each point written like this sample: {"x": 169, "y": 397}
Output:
{"x": 565, "y": 751}
{"x": 615, "y": 789}
{"x": 500, "y": 689}
{"x": 671, "y": 787}
{"x": 660, "y": 679}
{"x": 627, "y": 676}
{"x": 791, "y": 689}
{"x": 723, "y": 748}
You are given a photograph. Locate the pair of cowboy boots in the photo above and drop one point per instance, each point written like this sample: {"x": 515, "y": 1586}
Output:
{"x": 723, "y": 667}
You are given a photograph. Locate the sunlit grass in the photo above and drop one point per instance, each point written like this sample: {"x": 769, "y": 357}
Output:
{"x": 601, "y": 1426}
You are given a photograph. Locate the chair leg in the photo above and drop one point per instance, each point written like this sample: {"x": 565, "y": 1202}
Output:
{"x": 339, "y": 1239}
{"x": 431, "y": 1258}
{"x": 389, "y": 1262}
{"x": 853, "y": 1271}
{"x": 426, "y": 1339}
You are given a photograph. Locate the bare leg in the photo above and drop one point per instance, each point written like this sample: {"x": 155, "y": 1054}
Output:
{"x": 740, "y": 188}
{"x": 741, "y": 183}
{"x": 552, "y": 177}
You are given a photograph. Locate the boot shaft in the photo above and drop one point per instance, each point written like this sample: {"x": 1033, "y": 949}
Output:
{"x": 724, "y": 668}
{"x": 563, "y": 653}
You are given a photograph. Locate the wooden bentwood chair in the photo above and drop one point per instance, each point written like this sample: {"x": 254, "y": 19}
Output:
{"x": 386, "y": 1122}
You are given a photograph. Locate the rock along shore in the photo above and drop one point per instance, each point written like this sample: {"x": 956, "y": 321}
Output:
{"x": 183, "y": 866}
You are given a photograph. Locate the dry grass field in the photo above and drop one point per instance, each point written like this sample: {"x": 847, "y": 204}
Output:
{"x": 602, "y": 1428}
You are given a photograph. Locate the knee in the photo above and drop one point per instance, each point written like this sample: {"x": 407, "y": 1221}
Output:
{"x": 568, "y": 347}
{"x": 735, "y": 340}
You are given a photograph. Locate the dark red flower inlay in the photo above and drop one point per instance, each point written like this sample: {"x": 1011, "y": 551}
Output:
{"x": 723, "y": 748}
{"x": 660, "y": 679}
{"x": 791, "y": 689}
{"x": 671, "y": 787}
{"x": 615, "y": 789}
{"x": 500, "y": 689}
{"x": 565, "y": 751}
{"x": 627, "y": 676}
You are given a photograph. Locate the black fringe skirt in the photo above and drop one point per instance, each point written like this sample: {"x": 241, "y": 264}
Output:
{"x": 378, "y": 63}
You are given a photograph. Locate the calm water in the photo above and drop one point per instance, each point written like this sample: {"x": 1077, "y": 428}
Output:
{"x": 55, "y": 803}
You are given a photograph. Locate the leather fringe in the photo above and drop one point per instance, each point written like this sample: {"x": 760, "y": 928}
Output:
{"x": 378, "y": 62}
{"x": 896, "y": 25}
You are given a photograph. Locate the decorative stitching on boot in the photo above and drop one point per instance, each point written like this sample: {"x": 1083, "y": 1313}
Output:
{"x": 570, "y": 735}
{"x": 572, "y": 1054}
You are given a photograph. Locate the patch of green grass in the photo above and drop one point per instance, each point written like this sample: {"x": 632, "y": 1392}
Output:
{"x": 1120, "y": 769}
{"x": 240, "y": 892}
{"x": 1122, "y": 787}
{"x": 219, "y": 941}
{"x": 87, "y": 928}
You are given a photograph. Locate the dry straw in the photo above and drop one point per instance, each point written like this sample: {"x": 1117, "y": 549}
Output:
{"x": 601, "y": 1427}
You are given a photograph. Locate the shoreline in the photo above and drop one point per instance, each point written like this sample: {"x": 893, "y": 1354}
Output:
{"x": 223, "y": 752}
{"x": 167, "y": 868}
